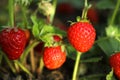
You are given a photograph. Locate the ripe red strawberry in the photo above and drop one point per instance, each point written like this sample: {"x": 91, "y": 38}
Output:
{"x": 81, "y": 35}
{"x": 115, "y": 63}
{"x": 12, "y": 42}
{"x": 54, "y": 57}
{"x": 117, "y": 71}
{"x": 115, "y": 60}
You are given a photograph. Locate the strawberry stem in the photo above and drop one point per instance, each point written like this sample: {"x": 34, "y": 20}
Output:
{"x": 32, "y": 59}
{"x": 25, "y": 21}
{"x": 29, "y": 47}
{"x": 8, "y": 62}
{"x": 11, "y": 12}
{"x": 85, "y": 10}
{"x": 115, "y": 12}
{"x": 16, "y": 66}
{"x": 41, "y": 65}
{"x": 77, "y": 61}
{"x": 23, "y": 68}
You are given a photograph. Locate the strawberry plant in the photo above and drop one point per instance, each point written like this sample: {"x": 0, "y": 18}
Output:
{"x": 36, "y": 43}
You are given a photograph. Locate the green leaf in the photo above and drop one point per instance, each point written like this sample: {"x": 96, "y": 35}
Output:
{"x": 71, "y": 52}
{"x": 35, "y": 31}
{"x": 110, "y": 76}
{"x": 35, "y": 28}
{"x": 51, "y": 29}
{"x": 47, "y": 38}
{"x": 105, "y": 4}
{"x": 109, "y": 45}
{"x": 23, "y": 2}
{"x": 95, "y": 59}
{"x": 34, "y": 19}
{"x": 38, "y": 24}
{"x": 47, "y": 32}
{"x": 43, "y": 31}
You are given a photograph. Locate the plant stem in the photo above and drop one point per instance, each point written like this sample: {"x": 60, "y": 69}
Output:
{"x": 8, "y": 62}
{"x": 74, "y": 76}
{"x": 32, "y": 59}
{"x": 29, "y": 47}
{"x": 85, "y": 10}
{"x": 115, "y": 12}
{"x": 23, "y": 8}
{"x": 23, "y": 68}
{"x": 52, "y": 15}
{"x": 16, "y": 66}
{"x": 11, "y": 12}
{"x": 41, "y": 65}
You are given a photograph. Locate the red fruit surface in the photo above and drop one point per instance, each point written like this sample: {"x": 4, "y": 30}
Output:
{"x": 27, "y": 33}
{"x": 81, "y": 35}
{"x": 56, "y": 38}
{"x": 117, "y": 71}
{"x": 12, "y": 42}
{"x": 54, "y": 57}
{"x": 115, "y": 60}
{"x": 93, "y": 15}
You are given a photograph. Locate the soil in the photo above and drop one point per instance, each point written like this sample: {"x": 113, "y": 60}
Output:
{"x": 63, "y": 73}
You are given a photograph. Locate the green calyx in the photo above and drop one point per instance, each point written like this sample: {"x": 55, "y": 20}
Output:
{"x": 49, "y": 41}
{"x": 83, "y": 18}
{"x": 79, "y": 20}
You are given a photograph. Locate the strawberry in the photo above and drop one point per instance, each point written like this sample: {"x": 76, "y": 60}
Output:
{"x": 115, "y": 60}
{"x": 27, "y": 33}
{"x": 117, "y": 71}
{"x": 56, "y": 38}
{"x": 12, "y": 42}
{"x": 53, "y": 57}
{"x": 81, "y": 35}
{"x": 93, "y": 15}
